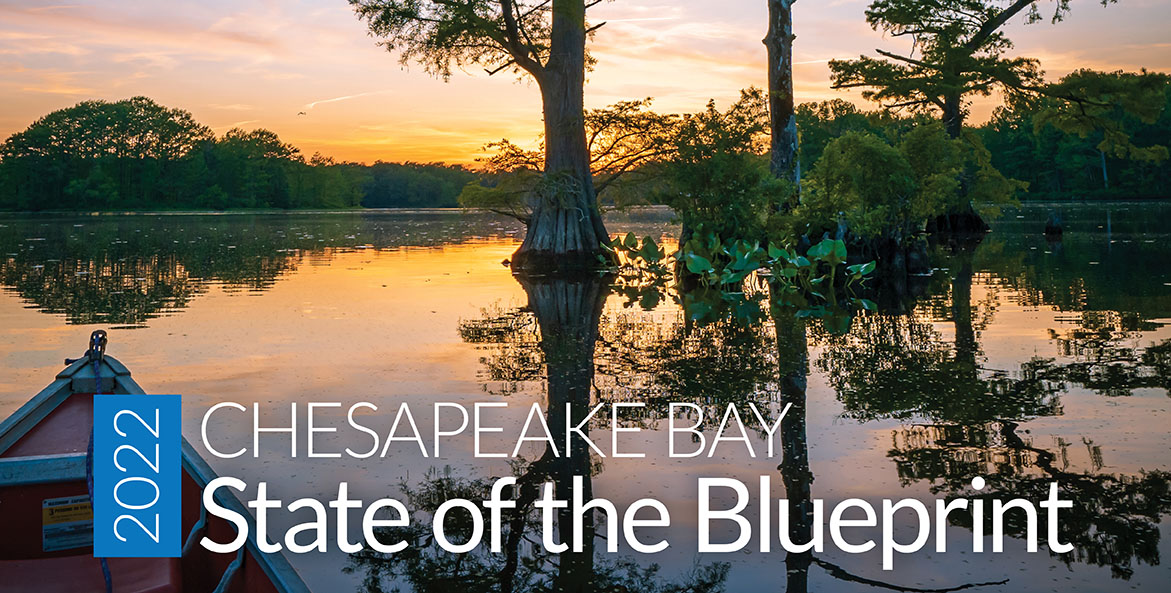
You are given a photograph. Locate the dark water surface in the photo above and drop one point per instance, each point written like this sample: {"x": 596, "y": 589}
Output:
{"x": 1022, "y": 360}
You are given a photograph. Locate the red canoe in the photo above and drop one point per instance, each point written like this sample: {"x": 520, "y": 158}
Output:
{"x": 45, "y": 515}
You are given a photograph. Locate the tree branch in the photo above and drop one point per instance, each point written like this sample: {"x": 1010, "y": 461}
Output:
{"x": 911, "y": 61}
{"x": 522, "y": 53}
{"x": 993, "y": 24}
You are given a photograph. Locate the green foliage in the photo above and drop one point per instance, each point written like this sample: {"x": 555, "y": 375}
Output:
{"x": 415, "y": 185}
{"x": 508, "y": 195}
{"x": 99, "y": 154}
{"x": 326, "y": 183}
{"x": 1064, "y": 149}
{"x": 862, "y": 182}
{"x": 1086, "y": 102}
{"x": 443, "y": 36}
{"x": 712, "y": 274}
{"x": 1020, "y": 147}
{"x": 878, "y": 191}
{"x": 252, "y": 167}
{"x": 958, "y": 51}
{"x": 627, "y": 142}
{"x": 818, "y": 284}
{"x": 642, "y": 270}
{"x": 138, "y": 155}
{"x": 710, "y": 166}
{"x": 647, "y": 256}
{"x": 821, "y": 122}
{"x": 719, "y": 177}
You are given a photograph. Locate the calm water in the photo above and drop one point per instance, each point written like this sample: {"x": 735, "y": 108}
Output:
{"x": 1021, "y": 360}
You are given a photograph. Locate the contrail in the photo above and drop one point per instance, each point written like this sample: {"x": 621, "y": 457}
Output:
{"x": 343, "y": 98}
{"x": 237, "y": 124}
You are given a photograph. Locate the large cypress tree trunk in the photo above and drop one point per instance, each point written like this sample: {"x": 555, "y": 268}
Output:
{"x": 565, "y": 231}
{"x": 784, "y": 161}
{"x": 964, "y": 220}
{"x": 953, "y": 116}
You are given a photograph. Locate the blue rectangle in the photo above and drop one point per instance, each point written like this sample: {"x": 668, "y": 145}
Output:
{"x": 137, "y": 469}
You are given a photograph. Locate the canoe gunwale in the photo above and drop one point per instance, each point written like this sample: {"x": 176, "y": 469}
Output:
{"x": 275, "y": 566}
{"x": 42, "y": 469}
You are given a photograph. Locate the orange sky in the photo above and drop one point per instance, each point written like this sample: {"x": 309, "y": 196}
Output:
{"x": 257, "y": 63}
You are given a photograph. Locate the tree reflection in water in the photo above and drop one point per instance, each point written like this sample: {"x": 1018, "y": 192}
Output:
{"x": 566, "y": 314}
{"x": 968, "y": 419}
{"x": 127, "y": 270}
{"x": 962, "y": 418}
{"x": 657, "y": 359}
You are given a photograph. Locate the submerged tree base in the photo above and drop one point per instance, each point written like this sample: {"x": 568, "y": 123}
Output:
{"x": 562, "y": 239}
{"x": 966, "y": 222}
{"x": 553, "y": 263}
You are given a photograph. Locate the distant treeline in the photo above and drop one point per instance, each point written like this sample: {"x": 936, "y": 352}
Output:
{"x": 138, "y": 155}
{"x": 1024, "y": 146}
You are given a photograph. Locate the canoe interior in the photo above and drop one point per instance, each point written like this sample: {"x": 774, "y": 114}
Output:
{"x": 64, "y": 430}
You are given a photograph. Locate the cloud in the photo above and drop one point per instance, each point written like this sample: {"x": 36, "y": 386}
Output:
{"x": 44, "y": 45}
{"x": 85, "y": 25}
{"x": 54, "y": 7}
{"x": 21, "y": 36}
{"x": 643, "y": 19}
{"x": 153, "y": 59}
{"x": 57, "y": 83}
{"x": 232, "y": 106}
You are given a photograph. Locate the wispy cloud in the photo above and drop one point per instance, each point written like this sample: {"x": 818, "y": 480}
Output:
{"x": 84, "y": 23}
{"x": 57, "y": 83}
{"x": 643, "y": 19}
{"x": 232, "y": 106}
{"x": 54, "y": 7}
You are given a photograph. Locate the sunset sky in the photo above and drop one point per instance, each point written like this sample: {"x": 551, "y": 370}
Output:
{"x": 257, "y": 63}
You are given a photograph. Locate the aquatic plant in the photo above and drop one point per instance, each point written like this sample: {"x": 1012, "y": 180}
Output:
{"x": 713, "y": 277}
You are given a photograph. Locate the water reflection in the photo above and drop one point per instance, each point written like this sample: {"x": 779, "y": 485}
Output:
{"x": 793, "y": 366}
{"x": 563, "y": 335}
{"x": 567, "y": 315}
{"x": 900, "y": 365}
{"x": 966, "y": 418}
{"x": 1019, "y": 360}
{"x": 654, "y": 357}
{"x": 962, "y": 417}
{"x": 128, "y": 270}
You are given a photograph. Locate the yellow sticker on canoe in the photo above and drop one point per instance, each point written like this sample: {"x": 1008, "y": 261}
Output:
{"x": 66, "y": 523}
